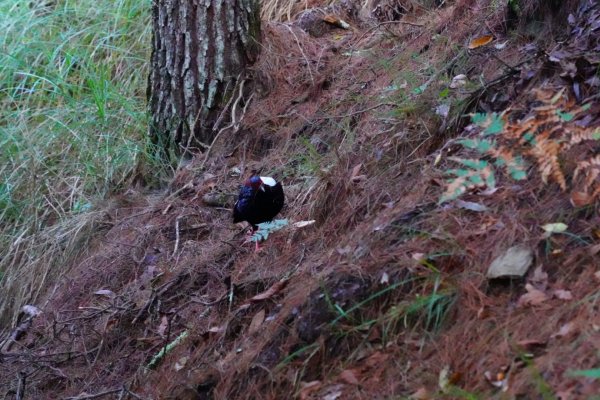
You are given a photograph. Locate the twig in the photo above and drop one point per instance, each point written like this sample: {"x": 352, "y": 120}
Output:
{"x": 356, "y": 112}
{"x": 234, "y": 123}
{"x": 210, "y": 303}
{"x": 159, "y": 292}
{"x": 94, "y": 396}
{"x": 368, "y": 31}
{"x": 312, "y": 79}
{"x": 21, "y": 377}
{"x": 129, "y": 392}
{"x": 176, "y": 237}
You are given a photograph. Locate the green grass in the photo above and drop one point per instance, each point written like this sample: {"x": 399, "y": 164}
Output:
{"x": 73, "y": 128}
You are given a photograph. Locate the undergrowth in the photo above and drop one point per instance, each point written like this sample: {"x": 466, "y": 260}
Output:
{"x": 543, "y": 137}
{"x": 72, "y": 128}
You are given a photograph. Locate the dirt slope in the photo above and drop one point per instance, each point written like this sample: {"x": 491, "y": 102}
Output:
{"x": 385, "y": 295}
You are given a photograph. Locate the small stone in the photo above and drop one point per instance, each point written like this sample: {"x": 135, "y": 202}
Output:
{"x": 514, "y": 263}
{"x": 217, "y": 199}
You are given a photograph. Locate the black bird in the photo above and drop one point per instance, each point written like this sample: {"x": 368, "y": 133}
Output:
{"x": 260, "y": 200}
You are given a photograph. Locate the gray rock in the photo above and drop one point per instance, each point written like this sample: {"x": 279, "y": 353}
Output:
{"x": 514, "y": 263}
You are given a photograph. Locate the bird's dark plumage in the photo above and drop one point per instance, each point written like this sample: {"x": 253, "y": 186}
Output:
{"x": 260, "y": 200}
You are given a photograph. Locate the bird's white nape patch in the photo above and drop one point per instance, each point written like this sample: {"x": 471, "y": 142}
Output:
{"x": 267, "y": 180}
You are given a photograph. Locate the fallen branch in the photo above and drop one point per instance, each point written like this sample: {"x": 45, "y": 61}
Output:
{"x": 21, "y": 377}
{"x": 94, "y": 396}
{"x": 164, "y": 350}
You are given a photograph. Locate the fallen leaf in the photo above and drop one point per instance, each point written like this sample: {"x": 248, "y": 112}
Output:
{"x": 555, "y": 227}
{"x": 469, "y": 205}
{"x": 597, "y": 275}
{"x": 270, "y": 292}
{"x": 302, "y": 224}
{"x": 458, "y": 81}
{"x": 349, "y": 377}
{"x": 443, "y": 380}
{"x": 334, "y": 393}
{"x": 355, "y": 171}
{"x": 480, "y": 41}
{"x": 421, "y": 394}
{"x": 488, "y": 192}
{"x": 30, "y": 310}
{"x": 216, "y": 329}
{"x": 105, "y": 292}
{"x": 359, "y": 178}
{"x": 355, "y": 175}
{"x": 256, "y": 322}
{"x": 385, "y": 279}
{"x": 306, "y": 388}
{"x": 533, "y": 297}
{"x": 180, "y": 363}
{"x": 594, "y": 250}
{"x": 581, "y": 199}
{"x": 164, "y": 322}
{"x": 335, "y": 21}
{"x": 500, "y": 46}
{"x": 564, "y": 330}
{"x": 563, "y": 294}
{"x": 418, "y": 256}
{"x": 483, "y": 313}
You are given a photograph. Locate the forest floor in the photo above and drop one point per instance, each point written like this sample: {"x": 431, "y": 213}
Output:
{"x": 373, "y": 132}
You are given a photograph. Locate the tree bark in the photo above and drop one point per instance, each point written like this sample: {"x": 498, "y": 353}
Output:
{"x": 200, "y": 49}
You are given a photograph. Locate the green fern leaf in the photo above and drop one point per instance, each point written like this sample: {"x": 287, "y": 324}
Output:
{"x": 565, "y": 116}
{"x": 495, "y": 127}
{"x": 266, "y": 228}
{"x": 479, "y": 119}
{"x": 474, "y": 164}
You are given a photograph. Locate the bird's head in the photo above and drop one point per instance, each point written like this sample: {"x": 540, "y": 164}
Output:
{"x": 255, "y": 183}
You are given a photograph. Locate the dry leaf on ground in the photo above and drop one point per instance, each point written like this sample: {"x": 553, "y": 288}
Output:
{"x": 307, "y": 388}
{"x": 533, "y": 297}
{"x": 162, "y": 328}
{"x": 480, "y": 41}
{"x": 421, "y": 394}
{"x": 564, "y": 330}
{"x": 270, "y": 292}
{"x": 563, "y": 294}
{"x": 349, "y": 376}
{"x": 256, "y": 322}
{"x": 105, "y": 292}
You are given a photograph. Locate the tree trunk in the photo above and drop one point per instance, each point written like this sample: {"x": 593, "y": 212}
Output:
{"x": 200, "y": 48}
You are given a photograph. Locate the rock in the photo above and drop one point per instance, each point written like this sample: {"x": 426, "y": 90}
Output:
{"x": 311, "y": 21}
{"x": 514, "y": 263}
{"x": 218, "y": 199}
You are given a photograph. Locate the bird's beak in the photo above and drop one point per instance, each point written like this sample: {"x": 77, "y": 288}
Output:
{"x": 262, "y": 187}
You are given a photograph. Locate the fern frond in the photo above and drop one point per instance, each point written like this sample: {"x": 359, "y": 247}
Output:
{"x": 553, "y": 124}
{"x": 478, "y": 174}
{"x": 582, "y": 135}
{"x": 546, "y": 154}
{"x": 266, "y": 228}
{"x": 591, "y": 169}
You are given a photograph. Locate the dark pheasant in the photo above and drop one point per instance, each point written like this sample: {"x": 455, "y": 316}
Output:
{"x": 260, "y": 200}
